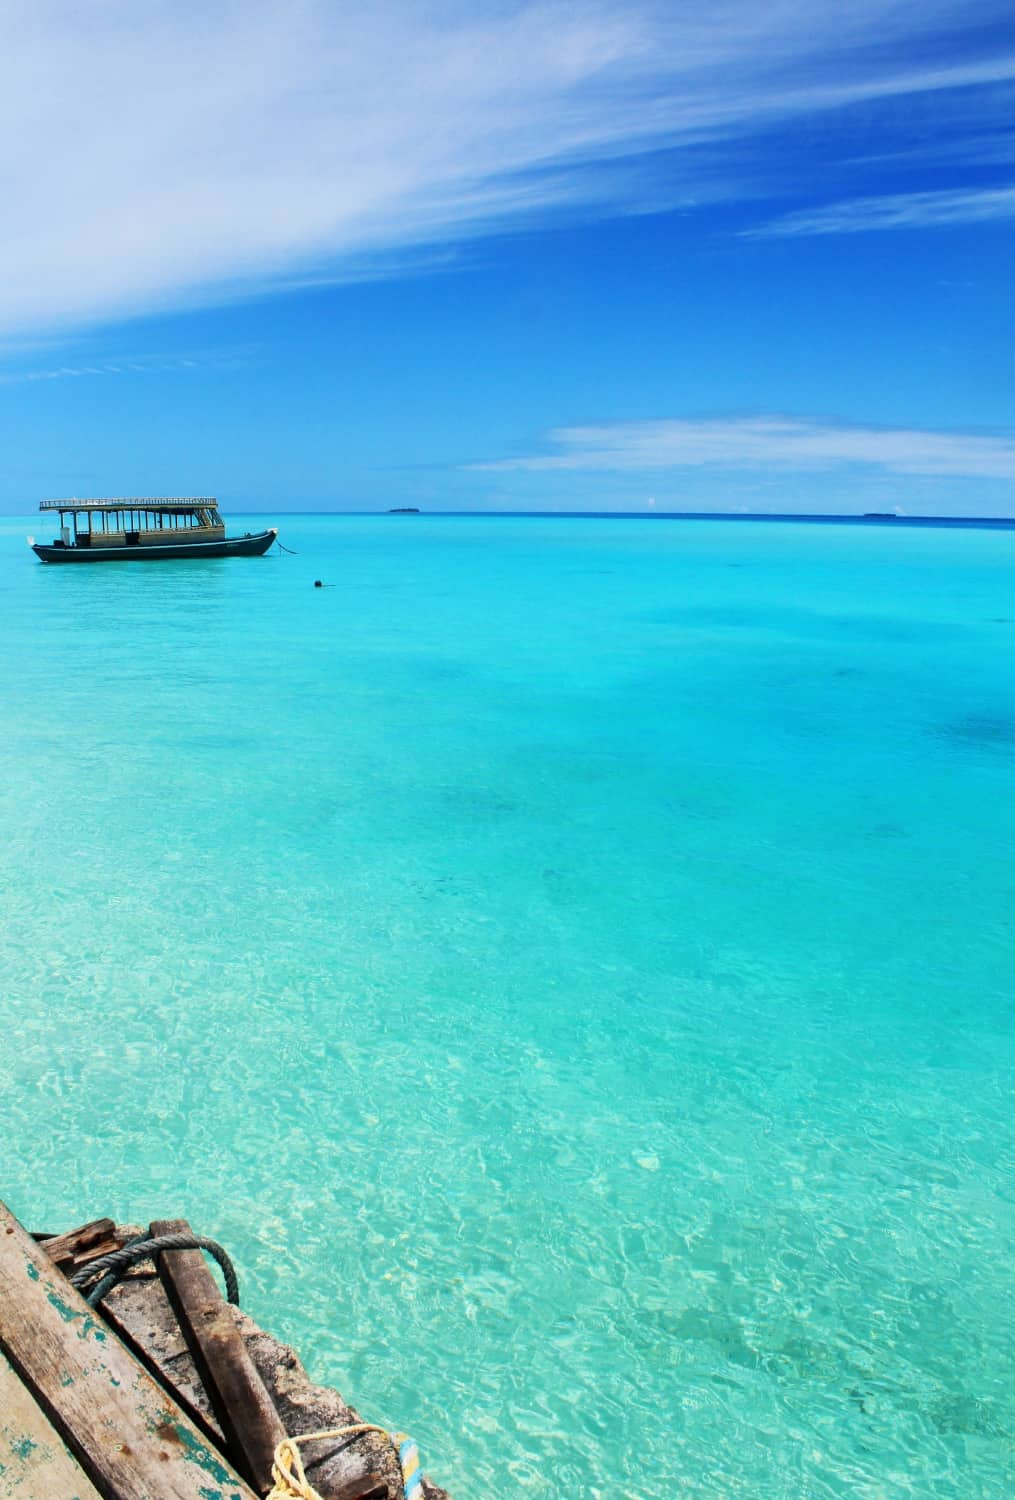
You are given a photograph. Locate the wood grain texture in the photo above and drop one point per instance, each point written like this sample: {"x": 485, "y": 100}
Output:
{"x": 74, "y": 1249}
{"x": 131, "y": 1439}
{"x": 33, "y": 1461}
{"x": 245, "y": 1412}
{"x": 139, "y": 1313}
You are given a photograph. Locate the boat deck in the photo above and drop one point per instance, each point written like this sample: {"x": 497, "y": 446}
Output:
{"x": 162, "y": 1390}
{"x": 81, "y": 1418}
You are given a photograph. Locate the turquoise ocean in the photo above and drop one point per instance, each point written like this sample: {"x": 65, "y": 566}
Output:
{"x": 569, "y": 964}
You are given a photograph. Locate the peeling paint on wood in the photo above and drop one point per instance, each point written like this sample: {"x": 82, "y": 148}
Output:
{"x": 104, "y": 1406}
{"x": 33, "y": 1461}
{"x": 138, "y": 1321}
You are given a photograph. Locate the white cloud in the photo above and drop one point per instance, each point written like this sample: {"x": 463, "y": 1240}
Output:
{"x": 134, "y": 364}
{"x": 898, "y": 211}
{"x": 160, "y": 152}
{"x": 769, "y": 442}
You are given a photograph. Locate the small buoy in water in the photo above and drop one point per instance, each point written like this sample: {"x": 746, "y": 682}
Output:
{"x": 318, "y": 584}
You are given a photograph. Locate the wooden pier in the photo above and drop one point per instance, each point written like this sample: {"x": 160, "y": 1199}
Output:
{"x": 162, "y": 1390}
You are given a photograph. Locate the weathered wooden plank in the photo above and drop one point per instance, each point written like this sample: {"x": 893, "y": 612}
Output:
{"x": 131, "y": 1439}
{"x": 73, "y": 1249}
{"x": 33, "y": 1461}
{"x": 250, "y": 1424}
{"x": 138, "y": 1311}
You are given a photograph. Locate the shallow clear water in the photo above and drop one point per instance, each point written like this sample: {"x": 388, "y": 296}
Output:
{"x": 568, "y": 963}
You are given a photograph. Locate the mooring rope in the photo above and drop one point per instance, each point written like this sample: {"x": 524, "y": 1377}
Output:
{"x": 290, "y": 551}
{"x": 112, "y": 1268}
{"x": 289, "y": 1475}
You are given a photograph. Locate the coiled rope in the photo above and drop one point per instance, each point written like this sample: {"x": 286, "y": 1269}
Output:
{"x": 112, "y": 1268}
{"x": 289, "y": 1475}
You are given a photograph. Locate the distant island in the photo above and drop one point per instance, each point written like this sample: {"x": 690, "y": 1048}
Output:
{"x": 404, "y": 510}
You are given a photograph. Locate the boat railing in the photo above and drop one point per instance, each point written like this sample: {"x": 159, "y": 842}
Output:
{"x": 133, "y": 502}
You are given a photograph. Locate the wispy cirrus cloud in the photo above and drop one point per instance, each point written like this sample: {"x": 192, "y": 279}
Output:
{"x": 896, "y": 211}
{"x": 160, "y": 154}
{"x": 130, "y": 364}
{"x": 767, "y": 443}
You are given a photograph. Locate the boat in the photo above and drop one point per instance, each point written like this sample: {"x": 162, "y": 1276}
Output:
{"x": 144, "y": 530}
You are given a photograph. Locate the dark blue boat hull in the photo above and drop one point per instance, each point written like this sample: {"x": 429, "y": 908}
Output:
{"x": 231, "y": 546}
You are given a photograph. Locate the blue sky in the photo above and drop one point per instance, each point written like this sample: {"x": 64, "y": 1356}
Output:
{"x": 549, "y": 256}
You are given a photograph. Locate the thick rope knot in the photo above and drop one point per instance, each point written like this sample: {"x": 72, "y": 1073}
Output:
{"x": 112, "y": 1268}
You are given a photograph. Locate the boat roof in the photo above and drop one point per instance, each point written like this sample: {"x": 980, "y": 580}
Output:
{"x": 134, "y": 502}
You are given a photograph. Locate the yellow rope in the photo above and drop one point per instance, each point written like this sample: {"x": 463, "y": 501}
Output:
{"x": 291, "y": 1482}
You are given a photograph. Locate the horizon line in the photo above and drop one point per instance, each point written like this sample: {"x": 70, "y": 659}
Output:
{"x": 848, "y": 518}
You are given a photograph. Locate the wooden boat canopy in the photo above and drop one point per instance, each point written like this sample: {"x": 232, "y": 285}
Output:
{"x": 138, "y": 513}
{"x": 132, "y": 502}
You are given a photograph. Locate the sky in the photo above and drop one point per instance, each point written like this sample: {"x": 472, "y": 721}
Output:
{"x": 628, "y": 256}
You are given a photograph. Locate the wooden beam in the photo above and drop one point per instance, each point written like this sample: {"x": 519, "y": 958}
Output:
{"x": 139, "y": 1314}
{"x": 250, "y": 1424}
{"x": 33, "y": 1460}
{"x": 130, "y": 1438}
{"x": 70, "y": 1251}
